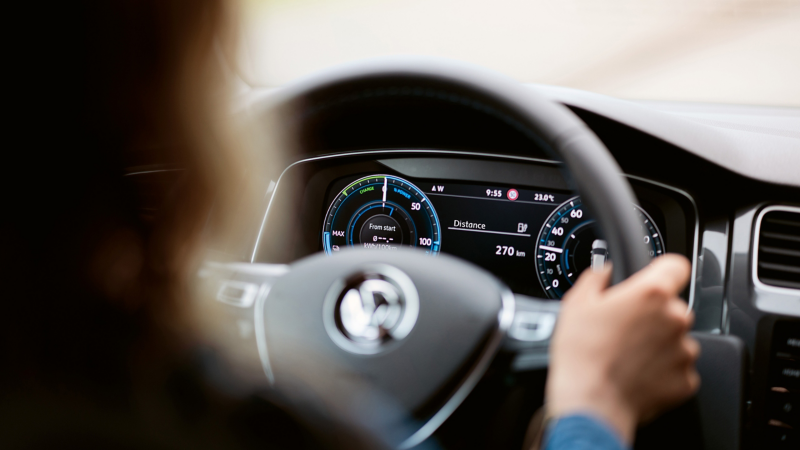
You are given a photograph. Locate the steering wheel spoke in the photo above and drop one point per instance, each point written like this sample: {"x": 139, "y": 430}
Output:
{"x": 232, "y": 297}
{"x": 528, "y": 339}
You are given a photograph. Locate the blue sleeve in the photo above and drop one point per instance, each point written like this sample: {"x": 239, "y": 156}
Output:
{"x": 581, "y": 432}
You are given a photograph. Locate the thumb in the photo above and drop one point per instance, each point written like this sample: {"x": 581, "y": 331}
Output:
{"x": 589, "y": 285}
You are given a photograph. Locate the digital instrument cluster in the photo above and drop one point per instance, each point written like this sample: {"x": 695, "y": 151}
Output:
{"x": 535, "y": 241}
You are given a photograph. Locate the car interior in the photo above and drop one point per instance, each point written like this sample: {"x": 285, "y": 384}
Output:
{"x": 352, "y": 224}
{"x": 464, "y": 204}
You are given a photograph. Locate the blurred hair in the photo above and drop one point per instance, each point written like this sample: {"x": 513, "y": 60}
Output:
{"x": 153, "y": 98}
{"x": 133, "y": 167}
{"x": 161, "y": 103}
{"x": 95, "y": 263}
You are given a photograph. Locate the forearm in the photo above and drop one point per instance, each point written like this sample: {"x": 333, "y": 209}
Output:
{"x": 581, "y": 432}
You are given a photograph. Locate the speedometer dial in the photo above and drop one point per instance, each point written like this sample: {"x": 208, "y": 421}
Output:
{"x": 569, "y": 243}
{"x": 381, "y": 212}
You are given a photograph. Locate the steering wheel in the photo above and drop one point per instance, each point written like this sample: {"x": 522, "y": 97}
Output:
{"x": 414, "y": 329}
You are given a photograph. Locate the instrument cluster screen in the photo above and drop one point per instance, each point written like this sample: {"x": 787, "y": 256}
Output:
{"x": 494, "y": 227}
{"x": 538, "y": 242}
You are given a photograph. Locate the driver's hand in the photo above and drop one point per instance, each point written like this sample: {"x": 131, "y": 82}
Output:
{"x": 622, "y": 353}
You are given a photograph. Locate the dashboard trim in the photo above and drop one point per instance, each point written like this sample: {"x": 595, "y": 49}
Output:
{"x": 696, "y": 245}
{"x": 754, "y": 261}
{"x": 750, "y": 153}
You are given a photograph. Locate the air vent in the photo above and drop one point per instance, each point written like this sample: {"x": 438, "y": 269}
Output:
{"x": 777, "y": 261}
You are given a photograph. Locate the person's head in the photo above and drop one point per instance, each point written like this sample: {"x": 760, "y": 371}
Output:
{"x": 140, "y": 168}
{"x": 119, "y": 185}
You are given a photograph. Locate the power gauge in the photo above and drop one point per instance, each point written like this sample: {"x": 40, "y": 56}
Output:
{"x": 381, "y": 212}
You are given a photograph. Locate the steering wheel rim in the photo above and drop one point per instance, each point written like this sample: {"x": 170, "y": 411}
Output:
{"x": 588, "y": 166}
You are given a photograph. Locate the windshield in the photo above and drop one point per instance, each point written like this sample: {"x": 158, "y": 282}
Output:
{"x": 729, "y": 51}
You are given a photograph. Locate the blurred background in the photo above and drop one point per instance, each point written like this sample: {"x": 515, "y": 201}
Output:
{"x": 725, "y": 51}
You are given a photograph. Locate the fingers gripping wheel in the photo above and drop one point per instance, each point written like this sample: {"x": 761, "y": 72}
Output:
{"x": 412, "y": 325}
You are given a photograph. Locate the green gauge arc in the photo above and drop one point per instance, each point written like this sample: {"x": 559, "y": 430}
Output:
{"x": 381, "y": 212}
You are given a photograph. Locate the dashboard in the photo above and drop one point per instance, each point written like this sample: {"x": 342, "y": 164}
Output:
{"x": 718, "y": 184}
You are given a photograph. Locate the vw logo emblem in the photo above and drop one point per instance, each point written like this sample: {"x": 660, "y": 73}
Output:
{"x": 371, "y": 309}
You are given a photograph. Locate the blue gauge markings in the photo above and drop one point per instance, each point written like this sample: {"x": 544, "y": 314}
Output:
{"x": 381, "y": 212}
{"x": 563, "y": 255}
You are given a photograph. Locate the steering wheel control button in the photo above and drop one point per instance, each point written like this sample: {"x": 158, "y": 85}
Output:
{"x": 787, "y": 340}
{"x": 530, "y": 326}
{"x": 371, "y": 309}
{"x": 785, "y": 407}
{"x": 781, "y": 437}
{"x": 237, "y": 293}
{"x": 787, "y": 374}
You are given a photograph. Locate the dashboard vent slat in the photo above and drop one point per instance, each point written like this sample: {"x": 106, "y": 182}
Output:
{"x": 785, "y": 237}
{"x": 791, "y": 223}
{"x": 781, "y": 283}
{"x": 780, "y": 251}
{"x": 779, "y": 267}
{"x": 778, "y": 257}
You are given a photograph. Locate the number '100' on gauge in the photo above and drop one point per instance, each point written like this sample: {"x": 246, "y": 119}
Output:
{"x": 381, "y": 212}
